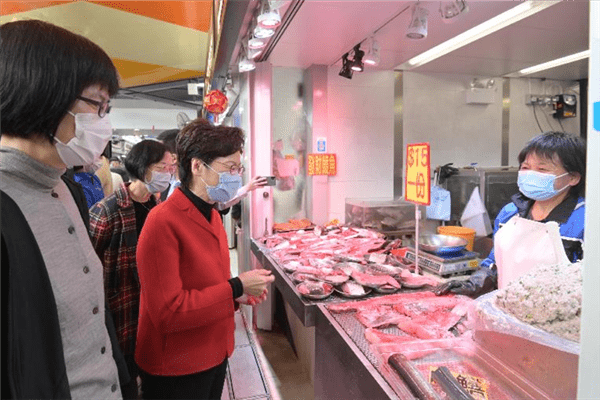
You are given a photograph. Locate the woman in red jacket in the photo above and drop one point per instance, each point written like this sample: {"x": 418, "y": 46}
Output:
{"x": 188, "y": 298}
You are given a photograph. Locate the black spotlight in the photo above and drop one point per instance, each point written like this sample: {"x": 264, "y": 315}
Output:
{"x": 357, "y": 64}
{"x": 346, "y": 71}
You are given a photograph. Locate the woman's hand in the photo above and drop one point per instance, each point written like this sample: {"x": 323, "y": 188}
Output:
{"x": 255, "y": 282}
{"x": 256, "y": 182}
{"x": 251, "y": 300}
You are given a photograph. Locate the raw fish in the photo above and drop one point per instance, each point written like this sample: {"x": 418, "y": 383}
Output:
{"x": 390, "y": 299}
{"x": 375, "y": 281}
{"x": 353, "y": 289}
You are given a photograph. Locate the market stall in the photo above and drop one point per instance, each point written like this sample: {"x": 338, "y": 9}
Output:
{"x": 387, "y": 341}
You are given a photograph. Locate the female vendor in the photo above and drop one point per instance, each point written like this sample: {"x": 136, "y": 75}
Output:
{"x": 551, "y": 188}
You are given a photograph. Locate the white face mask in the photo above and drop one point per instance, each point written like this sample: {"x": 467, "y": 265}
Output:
{"x": 159, "y": 182}
{"x": 92, "y": 134}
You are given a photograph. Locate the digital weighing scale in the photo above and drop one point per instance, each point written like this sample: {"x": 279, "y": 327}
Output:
{"x": 458, "y": 263}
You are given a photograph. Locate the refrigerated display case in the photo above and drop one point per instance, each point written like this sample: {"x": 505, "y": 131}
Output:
{"x": 496, "y": 186}
{"x": 393, "y": 218}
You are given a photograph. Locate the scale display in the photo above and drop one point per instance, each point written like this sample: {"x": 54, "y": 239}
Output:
{"x": 457, "y": 265}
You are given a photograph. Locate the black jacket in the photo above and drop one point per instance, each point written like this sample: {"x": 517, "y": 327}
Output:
{"x": 33, "y": 364}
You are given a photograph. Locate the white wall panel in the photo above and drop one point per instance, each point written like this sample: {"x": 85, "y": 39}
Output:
{"x": 360, "y": 132}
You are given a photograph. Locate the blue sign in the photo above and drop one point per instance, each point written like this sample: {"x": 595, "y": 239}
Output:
{"x": 321, "y": 145}
{"x": 597, "y": 116}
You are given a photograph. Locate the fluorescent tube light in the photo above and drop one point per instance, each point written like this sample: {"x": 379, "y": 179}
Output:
{"x": 500, "y": 21}
{"x": 555, "y": 63}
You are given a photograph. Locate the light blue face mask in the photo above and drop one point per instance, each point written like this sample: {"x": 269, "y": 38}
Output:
{"x": 227, "y": 187}
{"x": 537, "y": 185}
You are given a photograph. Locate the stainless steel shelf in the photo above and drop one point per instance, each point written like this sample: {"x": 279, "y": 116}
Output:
{"x": 304, "y": 309}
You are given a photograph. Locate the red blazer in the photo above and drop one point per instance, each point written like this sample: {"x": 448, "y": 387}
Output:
{"x": 186, "y": 321}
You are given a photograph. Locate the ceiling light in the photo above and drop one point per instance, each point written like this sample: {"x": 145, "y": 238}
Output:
{"x": 500, "y": 21}
{"x": 372, "y": 57}
{"x": 269, "y": 19}
{"x": 246, "y": 65}
{"x": 357, "y": 63}
{"x": 555, "y": 63}
{"x": 256, "y": 43}
{"x": 346, "y": 71}
{"x": 417, "y": 29}
{"x": 450, "y": 10}
{"x": 253, "y": 53}
{"x": 263, "y": 33}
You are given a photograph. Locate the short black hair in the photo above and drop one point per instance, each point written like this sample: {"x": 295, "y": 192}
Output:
{"x": 169, "y": 139}
{"x": 141, "y": 156}
{"x": 43, "y": 68}
{"x": 570, "y": 150}
{"x": 202, "y": 140}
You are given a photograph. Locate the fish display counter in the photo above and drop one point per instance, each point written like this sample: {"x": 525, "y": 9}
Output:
{"x": 334, "y": 265}
{"x": 418, "y": 345}
{"x": 408, "y": 342}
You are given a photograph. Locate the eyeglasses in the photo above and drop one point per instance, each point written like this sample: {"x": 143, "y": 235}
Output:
{"x": 103, "y": 107}
{"x": 233, "y": 169}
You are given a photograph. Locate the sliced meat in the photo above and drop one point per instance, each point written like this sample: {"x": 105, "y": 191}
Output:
{"x": 389, "y": 299}
{"x": 375, "y": 281}
{"x": 378, "y": 317}
{"x": 375, "y": 336}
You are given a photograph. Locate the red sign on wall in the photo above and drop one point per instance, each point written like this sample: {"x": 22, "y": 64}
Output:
{"x": 321, "y": 164}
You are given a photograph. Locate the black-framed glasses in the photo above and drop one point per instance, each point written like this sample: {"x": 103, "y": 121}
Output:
{"x": 233, "y": 169}
{"x": 103, "y": 107}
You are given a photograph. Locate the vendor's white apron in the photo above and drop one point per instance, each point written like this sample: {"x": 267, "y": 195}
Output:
{"x": 523, "y": 244}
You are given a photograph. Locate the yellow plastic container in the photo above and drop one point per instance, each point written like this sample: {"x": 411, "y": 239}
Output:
{"x": 459, "y": 231}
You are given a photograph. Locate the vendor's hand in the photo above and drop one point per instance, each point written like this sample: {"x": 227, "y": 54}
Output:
{"x": 257, "y": 182}
{"x": 255, "y": 282}
{"x": 456, "y": 287}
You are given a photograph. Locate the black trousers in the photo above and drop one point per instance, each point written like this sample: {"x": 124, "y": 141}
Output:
{"x": 203, "y": 385}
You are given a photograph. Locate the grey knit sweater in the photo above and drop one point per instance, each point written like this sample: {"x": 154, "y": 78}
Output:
{"x": 74, "y": 269}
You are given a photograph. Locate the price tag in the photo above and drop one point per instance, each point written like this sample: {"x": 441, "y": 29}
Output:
{"x": 417, "y": 188}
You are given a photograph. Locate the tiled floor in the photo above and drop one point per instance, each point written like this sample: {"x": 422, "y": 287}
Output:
{"x": 279, "y": 376}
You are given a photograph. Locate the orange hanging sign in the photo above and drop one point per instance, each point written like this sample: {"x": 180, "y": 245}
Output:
{"x": 417, "y": 188}
{"x": 321, "y": 164}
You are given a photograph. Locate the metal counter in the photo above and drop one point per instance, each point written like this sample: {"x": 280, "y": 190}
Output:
{"x": 304, "y": 309}
{"x": 349, "y": 371}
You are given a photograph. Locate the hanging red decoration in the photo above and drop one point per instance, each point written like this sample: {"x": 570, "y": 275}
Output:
{"x": 215, "y": 102}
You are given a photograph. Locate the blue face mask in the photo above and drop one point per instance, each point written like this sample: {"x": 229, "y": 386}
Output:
{"x": 227, "y": 187}
{"x": 538, "y": 186}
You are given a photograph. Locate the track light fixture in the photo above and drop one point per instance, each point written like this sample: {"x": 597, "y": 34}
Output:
{"x": 372, "y": 57}
{"x": 253, "y": 53}
{"x": 417, "y": 29}
{"x": 255, "y": 43}
{"x": 450, "y": 10}
{"x": 346, "y": 71}
{"x": 357, "y": 63}
{"x": 245, "y": 64}
{"x": 269, "y": 17}
{"x": 263, "y": 33}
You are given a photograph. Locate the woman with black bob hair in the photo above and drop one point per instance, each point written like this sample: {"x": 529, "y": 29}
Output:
{"x": 551, "y": 188}
{"x": 55, "y": 88}
{"x": 115, "y": 225}
{"x": 188, "y": 297}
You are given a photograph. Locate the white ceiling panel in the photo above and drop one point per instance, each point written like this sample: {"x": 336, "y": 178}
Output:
{"x": 322, "y": 31}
